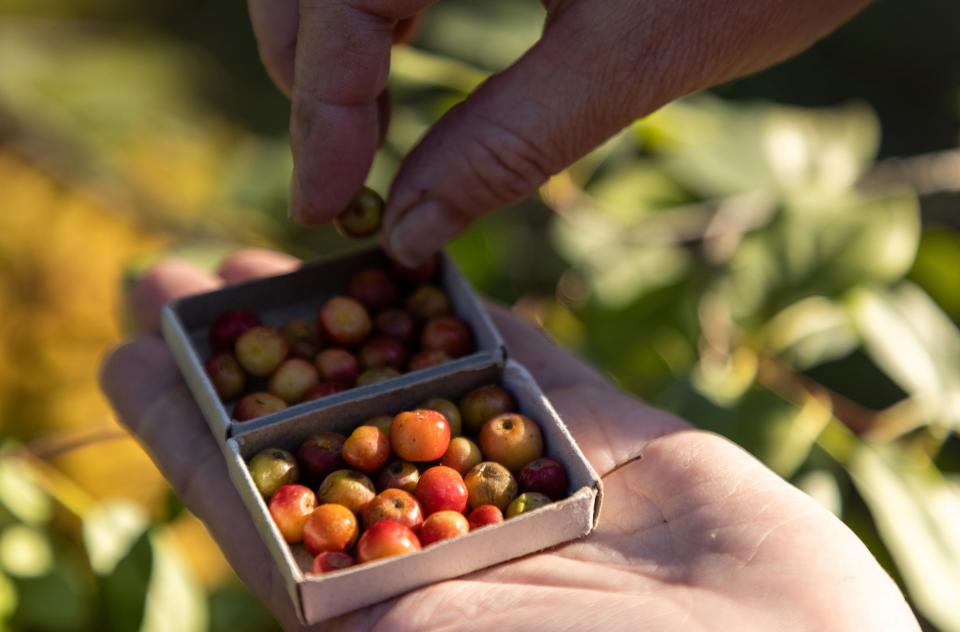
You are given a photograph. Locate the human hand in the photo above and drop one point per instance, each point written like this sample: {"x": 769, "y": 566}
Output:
{"x": 694, "y": 533}
{"x": 599, "y": 65}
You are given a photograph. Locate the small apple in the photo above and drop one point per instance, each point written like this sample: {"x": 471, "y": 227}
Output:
{"x": 448, "y": 334}
{"x": 396, "y": 324}
{"x": 344, "y": 321}
{"x": 375, "y": 376}
{"x": 511, "y": 439}
{"x": 383, "y": 422}
{"x": 490, "y": 483}
{"x": 302, "y": 338}
{"x": 330, "y": 527}
{"x": 420, "y": 435}
{"x": 323, "y": 389}
{"x": 462, "y": 455}
{"x": 426, "y": 359}
{"x": 320, "y": 454}
{"x": 386, "y": 539}
{"x": 449, "y": 410}
{"x": 260, "y": 350}
{"x": 484, "y": 515}
{"x": 382, "y": 352}
{"x": 349, "y": 488}
{"x": 374, "y": 288}
{"x": 257, "y": 405}
{"x": 396, "y": 505}
{"x": 290, "y": 506}
{"x": 338, "y": 366}
{"x": 545, "y": 476}
{"x": 426, "y": 302}
{"x": 483, "y": 403}
{"x": 293, "y": 380}
{"x": 366, "y": 449}
{"x": 443, "y": 525}
{"x": 228, "y": 326}
{"x": 400, "y": 475}
{"x": 330, "y": 561}
{"x": 271, "y": 469}
{"x": 440, "y": 488}
{"x": 362, "y": 216}
{"x": 526, "y": 502}
{"x": 226, "y": 374}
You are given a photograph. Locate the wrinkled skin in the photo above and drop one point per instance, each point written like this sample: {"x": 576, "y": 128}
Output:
{"x": 599, "y": 65}
{"x": 694, "y": 533}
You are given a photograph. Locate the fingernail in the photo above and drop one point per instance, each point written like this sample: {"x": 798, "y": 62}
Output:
{"x": 419, "y": 233}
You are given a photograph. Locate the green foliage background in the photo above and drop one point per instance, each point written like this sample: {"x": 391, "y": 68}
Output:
{"x": 777, "y": 261}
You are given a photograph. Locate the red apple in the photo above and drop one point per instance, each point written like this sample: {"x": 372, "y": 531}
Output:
{"x": 320, "y": 454}
{"x": 330, "y": 561}
{"x": 526, "y": 502}
{"x": 366, "y": 449}
{"x": 228, "y": 326}
{"x": 323, "y": 389}
{"x": 483, "y": 403}
{"x": 419, "y": 274}
{"x": 396, "y": 324}
{"x": 427, "y": 302}
{"x": 226, "y": 374}
{"x": 400, "y": 475}
{"x": 386, "y": 539}
{"x": 396, "y": 505}
{"x": 420, "y": 435}
{"x": 293, "y": 380}
{"x": 257, "y": 405}
{"x": 511, "y": 439}
{"x": 545, "y": 476}
{"x": 448, "y": 334}
{"x": 442, "y": 526}
{"x": 344, "y": 321}
{"x": 441, "y": 488}
{"x": 382, "y": 352}
{"x": 426, "y": 359}
{"x": 374, "y": 288}
{"x": 330, "y": 527}
{"x": 260, "y": 350}
{"x": 462, "y": 455}
{"x": 338, "y": 366}
{"x": 449, "y": 410}
{"x": 490, "y": 483}
{"x": 351, "y": 489}
{"x": 290, "y": 506}
{"x": 484, "y": 515}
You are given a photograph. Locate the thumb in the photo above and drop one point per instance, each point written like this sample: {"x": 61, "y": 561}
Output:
{"x": 523, "y": 125}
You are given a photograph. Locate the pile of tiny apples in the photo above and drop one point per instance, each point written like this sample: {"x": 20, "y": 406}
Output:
{"x": 400, "y": 483}
{"x": 388, "y": 322}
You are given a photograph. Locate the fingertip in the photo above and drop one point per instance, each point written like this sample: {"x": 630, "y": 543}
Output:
{"x": 254, "y": 263}
{"x": 419, "y": 233}
{"x": 164, "y": 281}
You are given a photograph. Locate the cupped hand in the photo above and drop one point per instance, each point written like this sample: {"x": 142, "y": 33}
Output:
{"x": 694, "y": 533}
{"x": 599, "y": 65}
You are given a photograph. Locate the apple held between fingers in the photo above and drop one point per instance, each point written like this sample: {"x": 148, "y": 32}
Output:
{"x": 362, "y": 217}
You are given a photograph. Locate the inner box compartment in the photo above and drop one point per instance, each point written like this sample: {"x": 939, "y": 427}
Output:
{"x": 300, "y": 294}
{"x": 322, "y": 597}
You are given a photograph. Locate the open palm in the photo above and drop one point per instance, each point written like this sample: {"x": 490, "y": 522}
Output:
{"x": 694, "y": 533}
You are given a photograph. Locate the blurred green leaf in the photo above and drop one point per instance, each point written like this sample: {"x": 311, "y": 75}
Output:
{"x": 174, "y": 600}
{"x": 58, "y": 601}
{"x": 939, "y": 252}
{"x": 110, "y": 530}
{"x": 918, "y": 515}
{"x": 915, "y": 343}
{"x": 822, "y": 486}
{"x": 810, "y": 332}
{"x": 8, "y": 599}
{"x": 25, "y": 551}
{"x": 20, "y": 495}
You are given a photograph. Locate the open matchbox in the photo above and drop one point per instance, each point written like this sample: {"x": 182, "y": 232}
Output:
{"x": 300, "y": 294}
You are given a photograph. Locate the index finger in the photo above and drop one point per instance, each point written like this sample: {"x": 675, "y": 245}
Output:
{"x": 342, "y": 63}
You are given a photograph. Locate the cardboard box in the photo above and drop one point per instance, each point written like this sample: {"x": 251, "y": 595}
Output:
{"x": 317, "y": 598}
